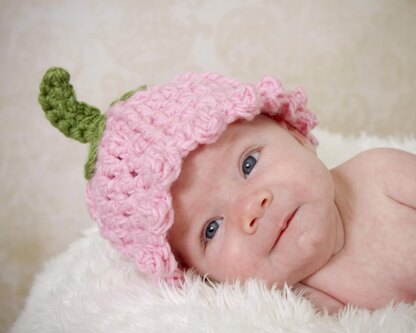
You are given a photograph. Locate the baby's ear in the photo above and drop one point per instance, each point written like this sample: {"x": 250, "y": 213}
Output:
{"x": 301, "y": 138}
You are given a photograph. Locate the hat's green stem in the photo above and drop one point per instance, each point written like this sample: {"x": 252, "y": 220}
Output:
{"x": 74, "y": 119}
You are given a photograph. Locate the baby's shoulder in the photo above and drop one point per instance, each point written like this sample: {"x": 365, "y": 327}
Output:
{"x": 380, "y": 161}
{"x": 393, "y": 170}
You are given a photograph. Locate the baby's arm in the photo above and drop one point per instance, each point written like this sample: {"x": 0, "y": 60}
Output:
{"x": 319, "y": 299}
{"x": 397, "y": 171}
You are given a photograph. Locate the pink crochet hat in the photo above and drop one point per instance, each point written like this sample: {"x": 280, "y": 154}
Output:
{"x": 138, "y": 147}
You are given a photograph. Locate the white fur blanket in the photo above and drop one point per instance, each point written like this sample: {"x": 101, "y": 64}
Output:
{"x": 91, "y": 288}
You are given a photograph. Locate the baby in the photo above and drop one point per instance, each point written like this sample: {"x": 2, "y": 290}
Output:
{"x": 209, "y": 173}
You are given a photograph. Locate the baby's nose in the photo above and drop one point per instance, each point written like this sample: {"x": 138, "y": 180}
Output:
{"x": 252, "y": 208}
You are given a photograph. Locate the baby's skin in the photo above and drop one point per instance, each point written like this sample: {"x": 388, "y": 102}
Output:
{"x": 258, "y": 203}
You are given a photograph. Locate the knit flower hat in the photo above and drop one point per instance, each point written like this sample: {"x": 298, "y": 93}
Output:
{"x": 137, "y": 148}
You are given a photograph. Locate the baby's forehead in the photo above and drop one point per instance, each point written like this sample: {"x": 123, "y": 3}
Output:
{"x": 235, "y": 133}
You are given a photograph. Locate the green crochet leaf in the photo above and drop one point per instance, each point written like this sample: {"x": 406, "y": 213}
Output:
{"x": 76, "y": 120}
{"x": 128, "y": 94}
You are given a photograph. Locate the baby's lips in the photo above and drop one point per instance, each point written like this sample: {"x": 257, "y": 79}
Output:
{"x": 283, "y": 227}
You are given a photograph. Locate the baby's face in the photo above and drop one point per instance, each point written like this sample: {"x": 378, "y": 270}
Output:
{"x": 257, "y": 203}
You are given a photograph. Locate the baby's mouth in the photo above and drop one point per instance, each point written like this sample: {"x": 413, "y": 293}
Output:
{"x": 284, "y": 227}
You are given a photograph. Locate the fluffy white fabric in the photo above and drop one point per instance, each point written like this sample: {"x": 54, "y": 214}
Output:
{"x": 92, "y": 288}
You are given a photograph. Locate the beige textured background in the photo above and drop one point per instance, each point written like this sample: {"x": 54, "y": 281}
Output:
{"x": 356, "y": 60}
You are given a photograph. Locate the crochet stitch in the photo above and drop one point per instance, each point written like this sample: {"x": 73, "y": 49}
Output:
{"x": 145, "y": 140}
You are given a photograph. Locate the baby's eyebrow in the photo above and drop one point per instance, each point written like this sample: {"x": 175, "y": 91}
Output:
{"x": 194, "y": 233}
{"x": 235, "y": 141}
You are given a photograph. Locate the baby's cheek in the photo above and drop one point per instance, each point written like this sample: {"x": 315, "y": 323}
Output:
{"x": 231, "y": 263}
{"x": 220, "y": 262}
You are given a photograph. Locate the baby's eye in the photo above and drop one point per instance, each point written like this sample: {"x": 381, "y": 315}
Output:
{"x": 249, "y": 163}
{"x": 211, "y": 229}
